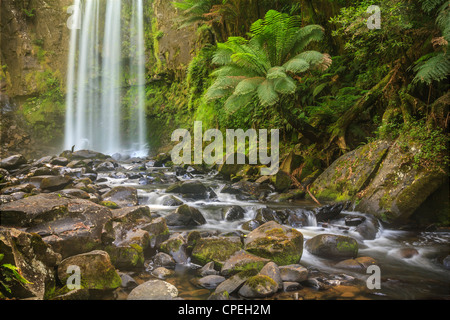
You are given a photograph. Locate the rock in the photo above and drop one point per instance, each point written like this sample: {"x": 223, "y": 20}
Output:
{"x": 369, "y": 228}
{"x": 446, "y": 262}
{"x": 354, "y": 220}
{"x": 291, "y": 162}
{"x": 189, "y": 189}
{"x": 35, "y": 260}
{"x": 217, "y": 249}
{"x": 400, "y": 186}
{"x": 251, "y": 225}
{"x": 171, "y": 201}
{"x": 59, "y": 161}
{"x": 162, "y": 259}
{"x": 332, "y": 246}
{"x": 329, "y": 212}
{"x": 291, "y": 286}
{"x": 77, "y": 193}
{"x": 359, "y": 264}
{"x": 233, "y": 283}
{"x": 122, "y": 196}
{"x": 258, "y": 286}
{"x": 71, "y": 226}
{"x": 273, "y": 241}
{"x": 266, "y": 214}
{"x": 219, "y": 296}
{"x": 272, "y": 271}
{"x": 408, "y": 253}
{"x": 293, "y": 273}
{"x": 12, "y": 162}
{"x": 105, "y": 166}
{"x": 281, "y": 181}
{"x": 349, "y": 174}
{"x": 154, "y": 290}
{"x": 127, "y": 281}
{"x": 208, "y": 270}
{"x": 245, "y": 190}
{"x": 176, "y": 247}
{"x": 234, "y": 213}
{"x": 242, "y": 261}
{"x": 96, "y": 270}
{"x": 83, "y": 155}
{"x": 158, "y": 231}
{"x": 228, "y": 170}
{"x": 75, "y": 294}
{"x": 54, "y": 183}
{"x": 162, "y": 273}
{"x": 300, "y": 217}
{"x": 185, "y": 216}
{"x": 26, "y": 188}
{"x": 210, "y": 282}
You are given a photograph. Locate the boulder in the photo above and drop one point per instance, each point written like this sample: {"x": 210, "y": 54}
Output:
{"x": 332, "y": 246}
{"x": 189, "y": 189}
{"x": 185, "y": 216}
{"x": 293, "y": 273}
{"x": 400, "y": 186}
{"x": 234, "y": 213}
{"x": 54, "y": 183}
{"x": 258, "y": 286}
{"x": 242, "y": 261}
{"x": 217, "y": 249}
{"x": 154, "y": 290}
{"x": 34, "y": 259}
{"x": 162, "y": 259}
{"x": 227, "y": 170}
{"x": 233, "y": 283}
{"x": 349, "y": 174}
{"x": 12, "y": 162}
{"x": 281, "y": 244}
{"x": 281, "y": 181}
{"x": 210, "y": 282}
{"x": 266, "y": 214}
{"x": 162, "y": 273}
{"x": 176, "y": 247}
{"x": 96, "y": 271}
{"x": 245, "y": 190}
{"x": 330, "y": 211}
{"x": 158, "y": 231}
{"x": 359, "y": 264}
{"x": 272, "y": 271}
{"x": 122, "y": 196}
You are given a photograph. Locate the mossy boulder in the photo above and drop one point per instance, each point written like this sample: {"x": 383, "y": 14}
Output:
{"x": 176, "y": 247}
{"x": 332, "y": 246}
{"x": 259, "y": 286}
{"x": 96, "y": 270}
{"x": 400, "y": 186}
{"x": 351, "y": 173}
{"x": 281, "y": 181}
{"x": 217, "y": 249}
{"x": 276, "y": 242}
{"x": 123, "y": 196}
{"x": 242, "y": 261}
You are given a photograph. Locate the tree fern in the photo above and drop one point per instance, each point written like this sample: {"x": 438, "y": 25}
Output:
{"x": 436, "y": 68}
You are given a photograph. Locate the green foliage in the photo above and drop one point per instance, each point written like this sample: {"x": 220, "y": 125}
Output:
{"x": 10, "y": 274}
{"x": 436, "y": 66}
{"x": 261, "y": 71}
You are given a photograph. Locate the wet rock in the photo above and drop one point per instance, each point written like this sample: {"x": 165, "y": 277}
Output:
{"x": 96, "y": 270}
{"x": 162, "y": 259}
{"x": 162, "y": 273}
{"x": 26, "y": 188}
{"x": 273, "y": 271}
{"x": 293, "y": 273}
{"x": 281, "y": 181}
{"x": 208, "y": 269}
{"x": 245, "y": 190}
{"x": 127, "y": 281}
{"x": 291, "y": 286}
{"x": 446, "y": 262}
{"x": 210, "y": 282}
{"x": 154, "y": 290}
{"x": 332, "y": 246}
{"x": 233, "y": 283}
{"x": 330, "y": 212}
{"x": 54, "y": 183}
{"x": 82, "y": 155}
{"x": 266, "y": 214}
{"x": 234, "y": 213}
{"x": 258, "y": 286}
{"x": 369, "y": 228}
{"x": 299, "y": 218}
{"x": 217, "y": 249}
{"x": 176, "y": 247}
{"x": 228, "y": 170}
{"x": 35, "y": 259}
{"x": 189, "y": 189}
{"x": 77, "y": 193}
{"x": 122, "y": 196}
{"x": 12, "y": 162}
{"x": 105, "y": 166}
{"x": 251, "y": 225}
{"x": 59, "y": 161}
{"x": 242, "y": 261}
{"x": 185, "y": 216}
{"x": 273, "y": 241}
{"x": 171, "y": 201}
{"x": 408, "y": 253}
{"x": 359, "y": 264}
{"x": 158, "y": 230}
{"x": 354, "y": 220}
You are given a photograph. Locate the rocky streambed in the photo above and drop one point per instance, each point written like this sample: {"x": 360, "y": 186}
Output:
{"x": 132, "y": 228}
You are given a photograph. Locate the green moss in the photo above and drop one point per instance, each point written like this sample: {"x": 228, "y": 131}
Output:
{"x": 260, "y": 281}
{"x": 217, "y": 250}
{"x": 109, "y": 204}
{"x": 171, "y": 245}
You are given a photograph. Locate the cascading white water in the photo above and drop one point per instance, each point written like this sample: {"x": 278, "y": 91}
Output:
{"x": 94, "y": 104}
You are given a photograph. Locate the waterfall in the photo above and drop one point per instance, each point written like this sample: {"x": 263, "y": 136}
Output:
{"x": 97, "y": 117}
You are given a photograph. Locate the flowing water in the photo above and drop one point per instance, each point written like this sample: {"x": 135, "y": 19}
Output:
{"x": 420, "y": 277}
{"x": 96, "y": 79}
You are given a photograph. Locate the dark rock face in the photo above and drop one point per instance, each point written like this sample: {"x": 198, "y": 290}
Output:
{"x": 122, "y": 196}
{"x": 185, "y": 216}
{"x": 12, "y": 162}
{"x": 189, "y": 189}
{"x": 234, "y": 213}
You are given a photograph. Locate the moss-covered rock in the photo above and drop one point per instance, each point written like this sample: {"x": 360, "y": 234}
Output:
{"x": 259, "y": 286}
{"x": 96, "y": 270}
{"x": 273, "y": 241}
{"x": 332, "y": 246}
{"x": 217, "y": 249}
{"x": 242, "y": 261}
{"x": 176, "y": 247}
{"x": 349, "y": 174}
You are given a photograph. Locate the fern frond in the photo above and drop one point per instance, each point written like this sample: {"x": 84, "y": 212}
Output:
{"x": 436, "y": 68}
{"x": 247, "y": 86}
{"x": 267, "y": 94}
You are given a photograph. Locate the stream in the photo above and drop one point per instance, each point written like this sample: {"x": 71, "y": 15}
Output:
{"x": 420, "y": 275}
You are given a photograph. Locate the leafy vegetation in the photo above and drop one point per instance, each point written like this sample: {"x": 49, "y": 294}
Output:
{"x": 9, "y": 275}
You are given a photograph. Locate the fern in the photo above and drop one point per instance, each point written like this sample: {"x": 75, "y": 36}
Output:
{"x": 436, "y": 68}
